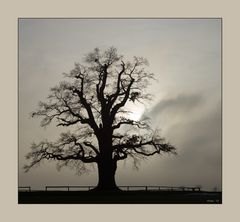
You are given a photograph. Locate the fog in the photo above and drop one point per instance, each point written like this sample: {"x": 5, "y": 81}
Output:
{"x": 184, "y": 54}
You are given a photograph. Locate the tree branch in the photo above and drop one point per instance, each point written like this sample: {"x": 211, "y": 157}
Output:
{"x": 91, "y": 146}
{"x": 134, "y": 146}
{"x": 91, "y": 119}
{"x": 139, "y": 124}
{"x": 46, "y": 150}
{"x": 112, "y": 98}
{"x": 122, "y": 103}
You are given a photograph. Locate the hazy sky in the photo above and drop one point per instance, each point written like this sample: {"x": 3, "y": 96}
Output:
{"x": 184, "y": 54}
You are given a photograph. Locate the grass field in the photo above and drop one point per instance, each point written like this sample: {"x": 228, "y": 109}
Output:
{"x": 124, "y": 197}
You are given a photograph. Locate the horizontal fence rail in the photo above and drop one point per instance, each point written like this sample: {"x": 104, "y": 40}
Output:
{"x": 159, "y": 188}
{"x": 124, "y": 188}
{"x": 69, "y": 188}
{"x": 24, "y": 188}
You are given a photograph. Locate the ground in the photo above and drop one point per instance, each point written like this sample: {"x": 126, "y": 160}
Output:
{"x": 124, "y": 197}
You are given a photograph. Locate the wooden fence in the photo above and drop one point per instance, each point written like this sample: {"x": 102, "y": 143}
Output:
{"x": 124, "y": 188}
{"x": 24, "y": 189}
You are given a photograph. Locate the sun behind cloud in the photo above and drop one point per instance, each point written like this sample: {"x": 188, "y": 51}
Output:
{"x": 136, "y": 112}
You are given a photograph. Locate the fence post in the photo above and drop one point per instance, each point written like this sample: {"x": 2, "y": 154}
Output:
{"x": 128, "y": 188}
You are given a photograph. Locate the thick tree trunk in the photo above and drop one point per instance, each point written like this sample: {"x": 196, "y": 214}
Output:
{"x": 106, "y": 175}
{"x": 106, "y": 164}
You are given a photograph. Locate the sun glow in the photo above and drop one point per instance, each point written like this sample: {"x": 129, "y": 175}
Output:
{"x": 136, "y": 112}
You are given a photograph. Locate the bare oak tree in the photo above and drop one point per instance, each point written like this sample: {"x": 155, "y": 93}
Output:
{"x": 93, "y": 104}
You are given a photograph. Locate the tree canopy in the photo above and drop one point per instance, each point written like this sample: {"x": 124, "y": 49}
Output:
{"x": 92, "y": 104}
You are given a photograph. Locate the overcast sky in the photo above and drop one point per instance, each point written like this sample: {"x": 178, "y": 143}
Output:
{"x": 184, "y": 54}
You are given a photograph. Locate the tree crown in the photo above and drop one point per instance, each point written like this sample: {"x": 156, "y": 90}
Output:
{"x": 93, "y": 101}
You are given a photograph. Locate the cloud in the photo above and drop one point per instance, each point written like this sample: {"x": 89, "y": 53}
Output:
{"x": 180, "y": 103}
{"x": 171, "y": 110}
{"x": 193, "y": 124}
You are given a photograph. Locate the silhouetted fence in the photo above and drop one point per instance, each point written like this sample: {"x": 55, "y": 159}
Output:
{"x": 124, "y": 188}
{"x": 68, "y": 188}
{"x": 159, "y": 188}
{"x": 24, "y": 189}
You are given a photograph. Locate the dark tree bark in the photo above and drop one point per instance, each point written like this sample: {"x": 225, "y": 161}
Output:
{"x": 106, "y": 164}
{"x": 106, "y": 174}
{"x": 94, "y": 102}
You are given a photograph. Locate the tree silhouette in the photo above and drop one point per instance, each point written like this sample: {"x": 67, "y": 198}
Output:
{"x": 93, "y": 104}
